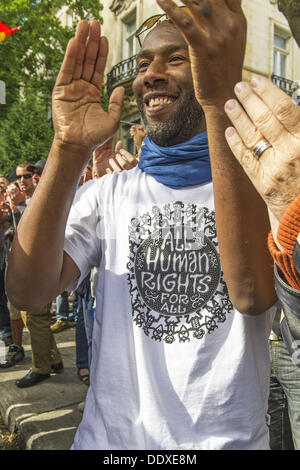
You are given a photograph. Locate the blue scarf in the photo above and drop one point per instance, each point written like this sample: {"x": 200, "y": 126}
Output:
{"x": 180, "y": 165}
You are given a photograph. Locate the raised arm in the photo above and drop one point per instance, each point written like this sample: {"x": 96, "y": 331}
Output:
{"x": 215, "y": 32}
{"x": 38, "y": 269}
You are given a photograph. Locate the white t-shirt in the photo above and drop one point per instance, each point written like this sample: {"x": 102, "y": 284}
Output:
{"x": 174, "y": 366}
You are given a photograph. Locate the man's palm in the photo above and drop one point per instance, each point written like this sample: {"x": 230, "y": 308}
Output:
{"x": 77, "y": 114}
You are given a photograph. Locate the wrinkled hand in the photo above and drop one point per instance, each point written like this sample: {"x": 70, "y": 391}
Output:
{"x": 215, "y": 32}
{"x": 78, "y": 117}
{"x": 106, "y": 160}
{"x": 270, "y": 115}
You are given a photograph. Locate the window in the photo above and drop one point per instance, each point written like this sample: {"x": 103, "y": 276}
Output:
{"x": 129, "y": 41}
{"x": 280, "y": 55}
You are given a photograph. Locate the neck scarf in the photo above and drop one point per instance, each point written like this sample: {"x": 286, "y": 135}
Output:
{"x": 180, "y": 165}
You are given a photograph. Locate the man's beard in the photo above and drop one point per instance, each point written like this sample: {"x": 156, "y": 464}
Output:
{"x": 180, "y": 126}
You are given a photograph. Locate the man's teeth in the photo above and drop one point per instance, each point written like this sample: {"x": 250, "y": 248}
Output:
{"x": 160, "y": 101}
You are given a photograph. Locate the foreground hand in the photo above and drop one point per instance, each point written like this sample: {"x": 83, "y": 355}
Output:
{"x": 270, "y": 115}
{"x": 106, "y": 160}
{"x": 215, "y": 32}
{"x": 78, "y": 117}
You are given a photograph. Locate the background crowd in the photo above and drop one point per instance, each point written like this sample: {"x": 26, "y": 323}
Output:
{"x": 69, "y": 308}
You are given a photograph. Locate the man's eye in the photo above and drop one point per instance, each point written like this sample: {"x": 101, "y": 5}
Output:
{"x": 143, "y": 65}
{"x": 176, "y": 58}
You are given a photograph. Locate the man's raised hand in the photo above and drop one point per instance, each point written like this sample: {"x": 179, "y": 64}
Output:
{"x": 215, "y": 31}
{"x": 78, "y": 118}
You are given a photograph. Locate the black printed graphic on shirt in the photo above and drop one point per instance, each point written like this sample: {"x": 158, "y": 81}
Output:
{"x": 176, "y": 285}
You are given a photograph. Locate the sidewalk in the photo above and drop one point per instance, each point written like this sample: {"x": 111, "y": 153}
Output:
{"x": 45, "y": 416}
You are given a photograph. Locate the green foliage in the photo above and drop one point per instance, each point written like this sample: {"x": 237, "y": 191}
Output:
{"x": 26, "y": 133}
{"x": 31, "y": 58}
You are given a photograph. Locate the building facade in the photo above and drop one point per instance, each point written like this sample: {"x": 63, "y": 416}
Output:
{"x": 271, "y": 50}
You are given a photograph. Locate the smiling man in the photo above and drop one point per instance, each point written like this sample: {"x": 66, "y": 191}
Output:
{"x": 180, "y": 357}
{"x": 169, "y": 108}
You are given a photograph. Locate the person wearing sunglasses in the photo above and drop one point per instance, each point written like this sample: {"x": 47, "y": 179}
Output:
{"x": 24, "y": 178}
{"x": 180, "y": 356}
{"x": 36, "y": 169}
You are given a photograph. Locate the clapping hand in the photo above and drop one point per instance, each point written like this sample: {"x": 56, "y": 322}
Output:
{"x": 79, "y": 120}
{"x": 106, "y": 160}
{"x": 267, "y": 114}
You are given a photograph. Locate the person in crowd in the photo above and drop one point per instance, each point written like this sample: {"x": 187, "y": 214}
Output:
{"x": 62, "y": 313}
{"x": 138, "y": 133}
{"x": 45, "y": 355}
{"x": 83, "y": 321}
{"x": 37, "y": 169}
{"x": 3, "y": 184}
{"x": 5, "y": 326}
{"x": 24, "y": 179}
{"x": 180, "y": 357}
{"x": 266, "y": 142}
{"x": 14, "y": 204}
{"x": 16, "y": 199}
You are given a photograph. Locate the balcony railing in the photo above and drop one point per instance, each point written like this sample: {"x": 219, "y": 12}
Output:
{"x": 121, "y": 73}
{"x": 283, "y": 83}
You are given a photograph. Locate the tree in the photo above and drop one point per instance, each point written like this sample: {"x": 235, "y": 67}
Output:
{"x": 25, "y": 134}
{"x": 30, "y": 60}
{"x": 291, "y": 10}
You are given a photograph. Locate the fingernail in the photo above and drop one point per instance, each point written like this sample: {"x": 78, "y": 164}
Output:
{"x": 230, "y": 131}
{"x": 255, "y": 81}
{"x": 230, "y": 105}
{"x": 239, "y": 87}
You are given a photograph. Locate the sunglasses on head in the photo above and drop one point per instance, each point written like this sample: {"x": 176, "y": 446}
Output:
{"x": 153, "y": 20}
{"x": 26, "y": 176}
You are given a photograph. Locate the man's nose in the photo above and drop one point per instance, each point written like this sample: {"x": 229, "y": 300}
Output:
{"x": 156, "y": 71}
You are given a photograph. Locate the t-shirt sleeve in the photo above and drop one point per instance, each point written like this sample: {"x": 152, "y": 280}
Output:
{"x": 82, "y": 237}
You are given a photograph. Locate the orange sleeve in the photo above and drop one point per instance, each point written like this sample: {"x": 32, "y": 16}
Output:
{"x": 288, "y": 231}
